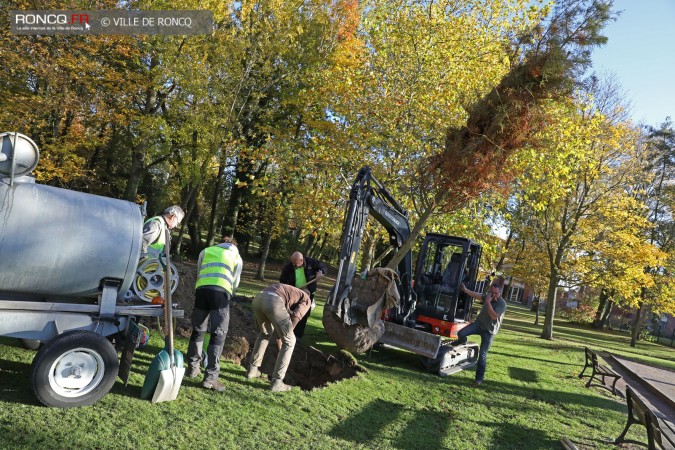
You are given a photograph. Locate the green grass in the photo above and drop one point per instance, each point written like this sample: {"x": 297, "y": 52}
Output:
{"x": 531, "y": 398}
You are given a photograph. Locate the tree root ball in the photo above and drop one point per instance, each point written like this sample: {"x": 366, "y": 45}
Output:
{"x": 369, "y": 296}
{"x": 353, "y": 338}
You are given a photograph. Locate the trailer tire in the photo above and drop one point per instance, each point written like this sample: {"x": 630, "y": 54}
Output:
{"x": 74, "y": 369}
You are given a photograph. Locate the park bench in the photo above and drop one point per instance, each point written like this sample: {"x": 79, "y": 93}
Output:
{"x": 599, "y": 372}
{"x": 660, "y": 432}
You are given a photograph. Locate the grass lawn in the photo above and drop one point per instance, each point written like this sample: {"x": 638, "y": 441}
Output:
{"x": 531, "y": 398}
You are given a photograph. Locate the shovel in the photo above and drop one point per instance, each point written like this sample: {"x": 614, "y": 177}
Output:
{"x": 315, "y": 279}
{"x": 307, "y": 284}
{"x": 166, "y": 371}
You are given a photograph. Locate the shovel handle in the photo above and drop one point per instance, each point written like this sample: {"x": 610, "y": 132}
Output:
{"x": 168, "y": 304}
{"x": 313, "y": 280}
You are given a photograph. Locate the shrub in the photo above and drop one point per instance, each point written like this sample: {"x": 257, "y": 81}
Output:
{"x": 582, "y": 314}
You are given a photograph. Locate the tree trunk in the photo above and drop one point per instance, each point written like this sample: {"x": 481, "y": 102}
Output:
{"x": 135, "y": 173}
{"x": 238, "y": 193}
{"x": 309, "y": 243}
{"x": 137, "y": 168}
{"x": 189, "y": 200}
{"x": 637, "y": 323}
{"x": 604, "y": 320}
{"x": 376, "y": 262}
{"x": 210, "y": 235}
{"x": 296, "y": 239}
{"x": 604, "y": 300}
{"x": 414, "y": 234}
{"x": 368, "y": 252}
{"x": 318, "y": 243}
{"x": 312, "y": 242}
{"x": 101, "y": 147}
{"x": 194, "y": 230}
{"x": 507, "y": 244}
{"x": 233, "y": 207}
{"x": 323, "y": 246}
{"x": 547, "y": 332}
{"x": 263, "y": 258}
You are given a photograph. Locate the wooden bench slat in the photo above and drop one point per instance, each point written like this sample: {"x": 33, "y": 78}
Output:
{"x": 659, "y": 432}
{"x": 663, "y": 432}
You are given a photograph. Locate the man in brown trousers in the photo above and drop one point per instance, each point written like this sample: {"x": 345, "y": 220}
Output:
{"x": 277, "y": 309}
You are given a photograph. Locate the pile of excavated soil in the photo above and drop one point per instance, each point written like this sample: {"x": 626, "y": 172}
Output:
{"x": 309, "y": 368}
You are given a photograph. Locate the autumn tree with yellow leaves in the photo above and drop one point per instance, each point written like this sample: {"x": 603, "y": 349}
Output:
{"x": 585, "y": 227}
{"x": 546, "y": 63}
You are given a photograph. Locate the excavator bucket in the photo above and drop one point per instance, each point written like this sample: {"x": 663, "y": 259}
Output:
{"x": 367, "y": 310}
{"x": 360, "y": 326}
{"x": 416, "y": 341}
{"x": 368, "y": 296}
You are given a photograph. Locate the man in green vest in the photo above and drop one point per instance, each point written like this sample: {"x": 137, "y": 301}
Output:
{"x": 303, "y": 272}
{"x": 218, "y": 271}
{"x": 153, "y": 229}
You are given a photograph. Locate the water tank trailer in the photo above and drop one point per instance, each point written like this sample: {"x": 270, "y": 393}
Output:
{"x": 67, "y": 261}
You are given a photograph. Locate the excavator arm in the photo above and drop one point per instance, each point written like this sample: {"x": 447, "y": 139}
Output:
{"x": 369, "y": 197}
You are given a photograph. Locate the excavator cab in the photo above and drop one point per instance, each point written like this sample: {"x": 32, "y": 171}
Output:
{"x": 444, "y": 263}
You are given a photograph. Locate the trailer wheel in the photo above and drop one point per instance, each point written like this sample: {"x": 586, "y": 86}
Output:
{"x": 76, "y": 368}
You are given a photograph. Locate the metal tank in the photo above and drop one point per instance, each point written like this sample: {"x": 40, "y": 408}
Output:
{"x": 56, "y": 242}
{"x": 66, "y": 258}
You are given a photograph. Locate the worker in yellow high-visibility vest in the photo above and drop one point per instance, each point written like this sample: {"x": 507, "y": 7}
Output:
{"x": 218, "y": 272}
{"x": 153, "y": 229}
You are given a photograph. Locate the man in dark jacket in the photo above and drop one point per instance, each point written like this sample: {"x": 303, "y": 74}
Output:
{"x": 298, "y": 272}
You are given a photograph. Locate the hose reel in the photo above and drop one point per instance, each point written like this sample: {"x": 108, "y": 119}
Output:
{"x": 148, "y": 281}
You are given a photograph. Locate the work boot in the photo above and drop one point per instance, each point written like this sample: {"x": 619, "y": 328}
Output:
{"x": 279, "y": 386}
{"x": 193, "y": 372}
{"x": 215, "y": 385}
{"x": 253, "y": 372}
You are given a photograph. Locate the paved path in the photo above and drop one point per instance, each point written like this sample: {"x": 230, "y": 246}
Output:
{"x": 656, "y": 386}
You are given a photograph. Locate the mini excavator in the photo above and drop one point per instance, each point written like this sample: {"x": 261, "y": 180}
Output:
{"x": 431, "y": 308}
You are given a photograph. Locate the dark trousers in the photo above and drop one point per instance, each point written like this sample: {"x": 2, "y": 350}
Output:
{"x": 299, "y": 329}
{"x": 220, "y": 322}
{"x": 486, "y": 339}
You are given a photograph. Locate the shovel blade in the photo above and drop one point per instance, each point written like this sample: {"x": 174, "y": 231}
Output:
{"x": 168, "y": 385}
{"x": 416, "y": 341}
